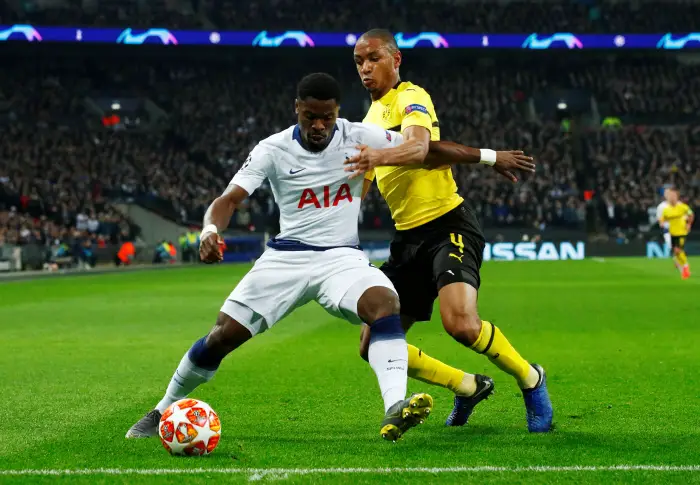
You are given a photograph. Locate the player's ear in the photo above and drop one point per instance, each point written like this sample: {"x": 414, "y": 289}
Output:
{"x": 296, "y": 106}
{"x": 397, "y": 59}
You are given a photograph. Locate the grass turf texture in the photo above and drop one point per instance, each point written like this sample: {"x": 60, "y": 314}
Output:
{"x": 82, "y": 358}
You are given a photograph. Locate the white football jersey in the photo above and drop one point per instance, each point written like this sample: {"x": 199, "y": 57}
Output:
{"x": 319, "y": 204}
{"x": 659, "y": 212}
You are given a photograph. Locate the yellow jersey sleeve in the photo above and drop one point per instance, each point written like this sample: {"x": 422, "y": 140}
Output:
{"x": 415, "y": 195}
{"x": 415, "y": 107}
{"x": 370, "y": 175}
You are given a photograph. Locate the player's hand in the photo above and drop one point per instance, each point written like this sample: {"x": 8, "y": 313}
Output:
{"x": 210, "y": 249}
{"x": 363, "y": 162}
{"x": 511, "y": 160}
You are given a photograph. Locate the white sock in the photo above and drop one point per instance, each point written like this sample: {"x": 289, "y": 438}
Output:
{"x": 186, "y": 378}
{"x": 388, "y": 356}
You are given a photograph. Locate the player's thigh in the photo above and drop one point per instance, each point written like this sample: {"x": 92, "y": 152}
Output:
{"x": 343, "y": 277}
{"x": 277, "y": 284}
{"x": 457, "y": 259}
{"x": 410, "y": 272}
{"x": 677, "y": 243}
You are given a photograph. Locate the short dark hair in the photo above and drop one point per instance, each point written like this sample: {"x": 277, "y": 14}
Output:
{"x": 318, "y": 85}
{"x": 385, "y": 36}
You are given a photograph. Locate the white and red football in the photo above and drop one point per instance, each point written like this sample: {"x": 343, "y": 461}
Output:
{"x": 189, "y": 427}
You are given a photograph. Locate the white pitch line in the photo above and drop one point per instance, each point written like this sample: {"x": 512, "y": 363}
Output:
{"x": 260, "y": 473}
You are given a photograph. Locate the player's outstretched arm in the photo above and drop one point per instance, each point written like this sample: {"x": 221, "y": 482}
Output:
{"x": 412, "y": 151}
{"x": 691, "y": 219}
{"x": 440, "y": 153}
{"x": 217, "y": 217}
{"x": 504, "y": 162}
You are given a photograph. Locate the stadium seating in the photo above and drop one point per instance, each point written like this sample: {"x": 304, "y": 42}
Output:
{"x": 415, "y": 15}
{"x": 216, "y": 115}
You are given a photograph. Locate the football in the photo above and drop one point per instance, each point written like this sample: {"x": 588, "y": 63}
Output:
{"x": 189, "y": 427}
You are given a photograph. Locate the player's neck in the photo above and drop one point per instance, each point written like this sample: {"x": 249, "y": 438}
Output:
{"x": 379, "y": 94}
{"x": 305, "y": 144}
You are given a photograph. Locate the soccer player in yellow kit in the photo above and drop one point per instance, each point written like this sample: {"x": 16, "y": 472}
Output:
{"x": 680, "y": 218}
{"x": 437, "y": 249}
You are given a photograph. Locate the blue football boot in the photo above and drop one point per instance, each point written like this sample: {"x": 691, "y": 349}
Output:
{"x": 538, "y": 405}
{"x": 464, "y": 405}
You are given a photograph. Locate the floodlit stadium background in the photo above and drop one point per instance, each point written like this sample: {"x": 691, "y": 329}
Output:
{"x": 121, "y": 121}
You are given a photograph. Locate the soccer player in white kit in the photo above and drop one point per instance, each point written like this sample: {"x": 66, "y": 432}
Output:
{"x": 659, "y": 214}
{"x": 316, "y": 256}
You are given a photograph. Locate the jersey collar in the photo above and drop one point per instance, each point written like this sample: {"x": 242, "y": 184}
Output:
{"x": 296, "y": 135}
{"x": 388, "y": 97}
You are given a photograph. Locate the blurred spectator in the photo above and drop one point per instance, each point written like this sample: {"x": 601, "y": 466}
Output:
{"x": 126, "y": 254}
{"x": 60, "y": 174}
{"x": 165, "y": 252}
{"x": 405, "y": 15}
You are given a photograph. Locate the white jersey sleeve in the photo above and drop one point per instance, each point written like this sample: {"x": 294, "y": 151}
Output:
{"x": 257, "y": 167}
{"x": 376, "y": 137}
{"x": 660, "y": 210}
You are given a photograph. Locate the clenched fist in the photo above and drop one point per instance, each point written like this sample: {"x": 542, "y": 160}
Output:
{"x": 210, "y": 249}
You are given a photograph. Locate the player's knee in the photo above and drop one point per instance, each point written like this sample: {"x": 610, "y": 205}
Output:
{"x": 462, "y": 325}
{"x": 227, "y": 335}
{"x": 378, "y": 302}
{"x": 390, "y": 305}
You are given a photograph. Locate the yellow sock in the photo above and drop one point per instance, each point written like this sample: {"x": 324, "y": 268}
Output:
{"x": 495, "y": 346}
{"x": 427, "y": 369}
{"x": 682, "y": 258}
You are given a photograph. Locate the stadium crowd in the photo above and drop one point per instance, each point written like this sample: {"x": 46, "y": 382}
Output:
{"x": 399, "y": 15}
{"x": 633, "y": 165}
{"x": 52, "y": 195}
{"x": 60, "y": 169}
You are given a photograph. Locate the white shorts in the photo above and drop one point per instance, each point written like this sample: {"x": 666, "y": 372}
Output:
{"x": 282, "y": 281}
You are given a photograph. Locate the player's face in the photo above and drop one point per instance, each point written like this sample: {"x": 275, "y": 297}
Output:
{"x": 666, "y": 192}
{"x": 378, "y": 68}
{"x": 672, "y": 197}
{"x": 316, "y": 121}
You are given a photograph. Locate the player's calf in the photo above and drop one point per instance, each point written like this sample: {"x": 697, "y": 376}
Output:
{"x": 201, "y": 362}
{"x": 422, "y": 367}
{"x": 197, "y": 366}
{"x": 387, "y": 352}
{"x": 388, "y": 356}
{"x": 458, "y": 309}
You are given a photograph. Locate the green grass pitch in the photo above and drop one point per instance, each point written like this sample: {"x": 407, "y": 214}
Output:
{"x": 82, "y": 358}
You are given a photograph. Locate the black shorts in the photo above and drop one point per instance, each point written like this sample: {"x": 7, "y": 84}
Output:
{"x": 422, "y": 260}
{"x": 678, "y": 242}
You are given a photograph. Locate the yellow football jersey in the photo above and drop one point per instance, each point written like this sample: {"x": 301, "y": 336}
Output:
{"x": 415, "y": 195}
{"x": 677, "y": 217}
